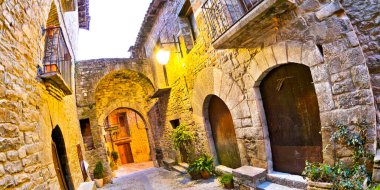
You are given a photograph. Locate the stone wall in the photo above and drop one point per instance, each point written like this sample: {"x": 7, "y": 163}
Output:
{"x": 365, "y": 18}
{"x": 105, "y": 85}
{"x": 28, "y": 113}
{"x": 318, "y": 34}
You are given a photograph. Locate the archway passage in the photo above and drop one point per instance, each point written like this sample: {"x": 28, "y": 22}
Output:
{"x": 60, "y": 160}
{"x": 127, "y": 135}
{"x": 292, "y": 113}
{"x": 223, "y": 133}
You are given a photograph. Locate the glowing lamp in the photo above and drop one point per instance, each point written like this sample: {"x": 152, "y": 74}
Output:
{"x": 163, "y": 56}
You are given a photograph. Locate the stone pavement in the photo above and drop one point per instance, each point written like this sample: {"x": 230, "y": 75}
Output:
{"x": 160, "y": 179}
{"x": 132, "y": 168}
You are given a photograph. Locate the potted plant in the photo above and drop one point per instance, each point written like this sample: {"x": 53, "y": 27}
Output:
{"x": 352, "y": 175}
{"x": 115, "y": 157}
{"x": 99, "y": 174}
{"x": 203, "y": 167}
{"x": 319, "y": 175}
{"x": 181, "y": 137}
{"x": 227, "y": 181}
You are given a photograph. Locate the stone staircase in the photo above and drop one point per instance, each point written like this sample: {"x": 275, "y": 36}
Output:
{"x": 181, "y": 168}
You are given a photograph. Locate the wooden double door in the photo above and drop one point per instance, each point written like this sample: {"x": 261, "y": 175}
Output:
{"x": 125, "y": 152}
{"x": 292, "y": 114}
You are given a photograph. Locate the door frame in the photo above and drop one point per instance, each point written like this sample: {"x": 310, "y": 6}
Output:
{"x": 60, "y": 175}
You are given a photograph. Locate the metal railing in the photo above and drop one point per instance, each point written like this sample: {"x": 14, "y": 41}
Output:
{"x": 221, "y": 15}
{"x": 57, "y": 57}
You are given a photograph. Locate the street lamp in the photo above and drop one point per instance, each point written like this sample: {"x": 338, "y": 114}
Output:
{"x": 163, "y": 55}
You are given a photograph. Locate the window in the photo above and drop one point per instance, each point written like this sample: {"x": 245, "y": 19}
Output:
{"x": 174, "y": 123}
{"x": 189, "y": 25}
{"x": 85, "y": 129}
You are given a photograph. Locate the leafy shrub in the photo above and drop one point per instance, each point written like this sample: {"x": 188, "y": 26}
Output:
{"x": 355, "y": 176}
{"x": 226, "y": 179}
{"x": 204, "y": 163}
{"x": 181, "y": 136}
{"x": 99, "y": 170}
{"x": 115, "y": 156}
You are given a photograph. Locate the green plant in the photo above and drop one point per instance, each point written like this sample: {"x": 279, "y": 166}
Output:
{"x": 203, "y": 164}
{"x": 226, "y": 179}
{"x": 355, "y": 176}
{"x": 115, "y": 156}
{"x": 181, "y": 136}
{"x": 99, "y": 170}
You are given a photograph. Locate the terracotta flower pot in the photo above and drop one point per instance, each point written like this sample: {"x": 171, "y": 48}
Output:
{"x": 195, "y": 175}
{"x": 98, "y": 183}
{"x": 229, "y": 185}
{"x": 205, "y": 174}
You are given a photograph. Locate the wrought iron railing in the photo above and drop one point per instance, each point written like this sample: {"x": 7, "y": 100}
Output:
{"x": 57, "y": 57}
{"x": 221, "y": 15}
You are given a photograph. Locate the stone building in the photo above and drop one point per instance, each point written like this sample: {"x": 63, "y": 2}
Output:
{"x": 40, "y": 141}
{"x": 252, "y": 72}
{"x": 260, "y": 83}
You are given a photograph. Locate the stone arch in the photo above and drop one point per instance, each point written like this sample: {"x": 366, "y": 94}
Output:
{"x": 140, "y": 111}
{"x": 309, "y": 54}
{"x": 224, "y": 87}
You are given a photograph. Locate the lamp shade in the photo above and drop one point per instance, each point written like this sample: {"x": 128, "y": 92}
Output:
{"x": 163, "y": 56}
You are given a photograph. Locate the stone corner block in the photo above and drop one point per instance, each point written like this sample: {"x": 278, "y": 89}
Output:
{"x": 328, "y": 10}
{"x": 87, "y": 186}
{"x": 249, "y": 176}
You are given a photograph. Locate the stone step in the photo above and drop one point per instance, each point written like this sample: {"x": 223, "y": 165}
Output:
{"x": 183, "y": 164}
{"x": 273, "y": 186}
{"x": 289, "y": 180}
{"x": 179, "y": 169}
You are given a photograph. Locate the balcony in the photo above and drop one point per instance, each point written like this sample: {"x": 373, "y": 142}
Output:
{"x": 241, "y": 23}
{"x": 56, "y": 70}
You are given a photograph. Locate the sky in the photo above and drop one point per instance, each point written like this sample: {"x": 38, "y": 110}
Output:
{"x": 114, "y": 27}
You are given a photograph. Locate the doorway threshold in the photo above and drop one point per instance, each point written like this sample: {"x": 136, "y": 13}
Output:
{"x": 286, "y": 179}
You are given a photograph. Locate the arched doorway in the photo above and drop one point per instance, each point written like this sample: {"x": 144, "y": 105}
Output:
{"x": 126, "y": 134}
{"x": 223, "y": 133}
{"x": 292, "y": 114}
{"x": 60, "y": 160}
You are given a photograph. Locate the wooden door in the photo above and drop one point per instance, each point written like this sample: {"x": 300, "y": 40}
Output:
{"x": 292, "y": 114}
{"x": 223, "y": 132}
{"x": 58, "y": 167}
{"x": 125, "y": 153}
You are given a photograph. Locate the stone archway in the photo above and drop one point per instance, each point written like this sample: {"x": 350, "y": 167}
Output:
{"x": 140, "y": 111}
{"x": 228, "y": 91}
{"x": 331, "y": 112}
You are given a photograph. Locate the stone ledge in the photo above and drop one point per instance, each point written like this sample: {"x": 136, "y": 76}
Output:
{"x": 224, "y": 169}
{"x": 55, "y": 79}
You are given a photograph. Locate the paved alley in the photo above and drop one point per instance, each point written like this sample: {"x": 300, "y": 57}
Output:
{"x": 160, "y": 179}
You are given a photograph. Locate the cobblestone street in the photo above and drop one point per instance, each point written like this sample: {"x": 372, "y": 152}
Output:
{"x": 160, "y": 179}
